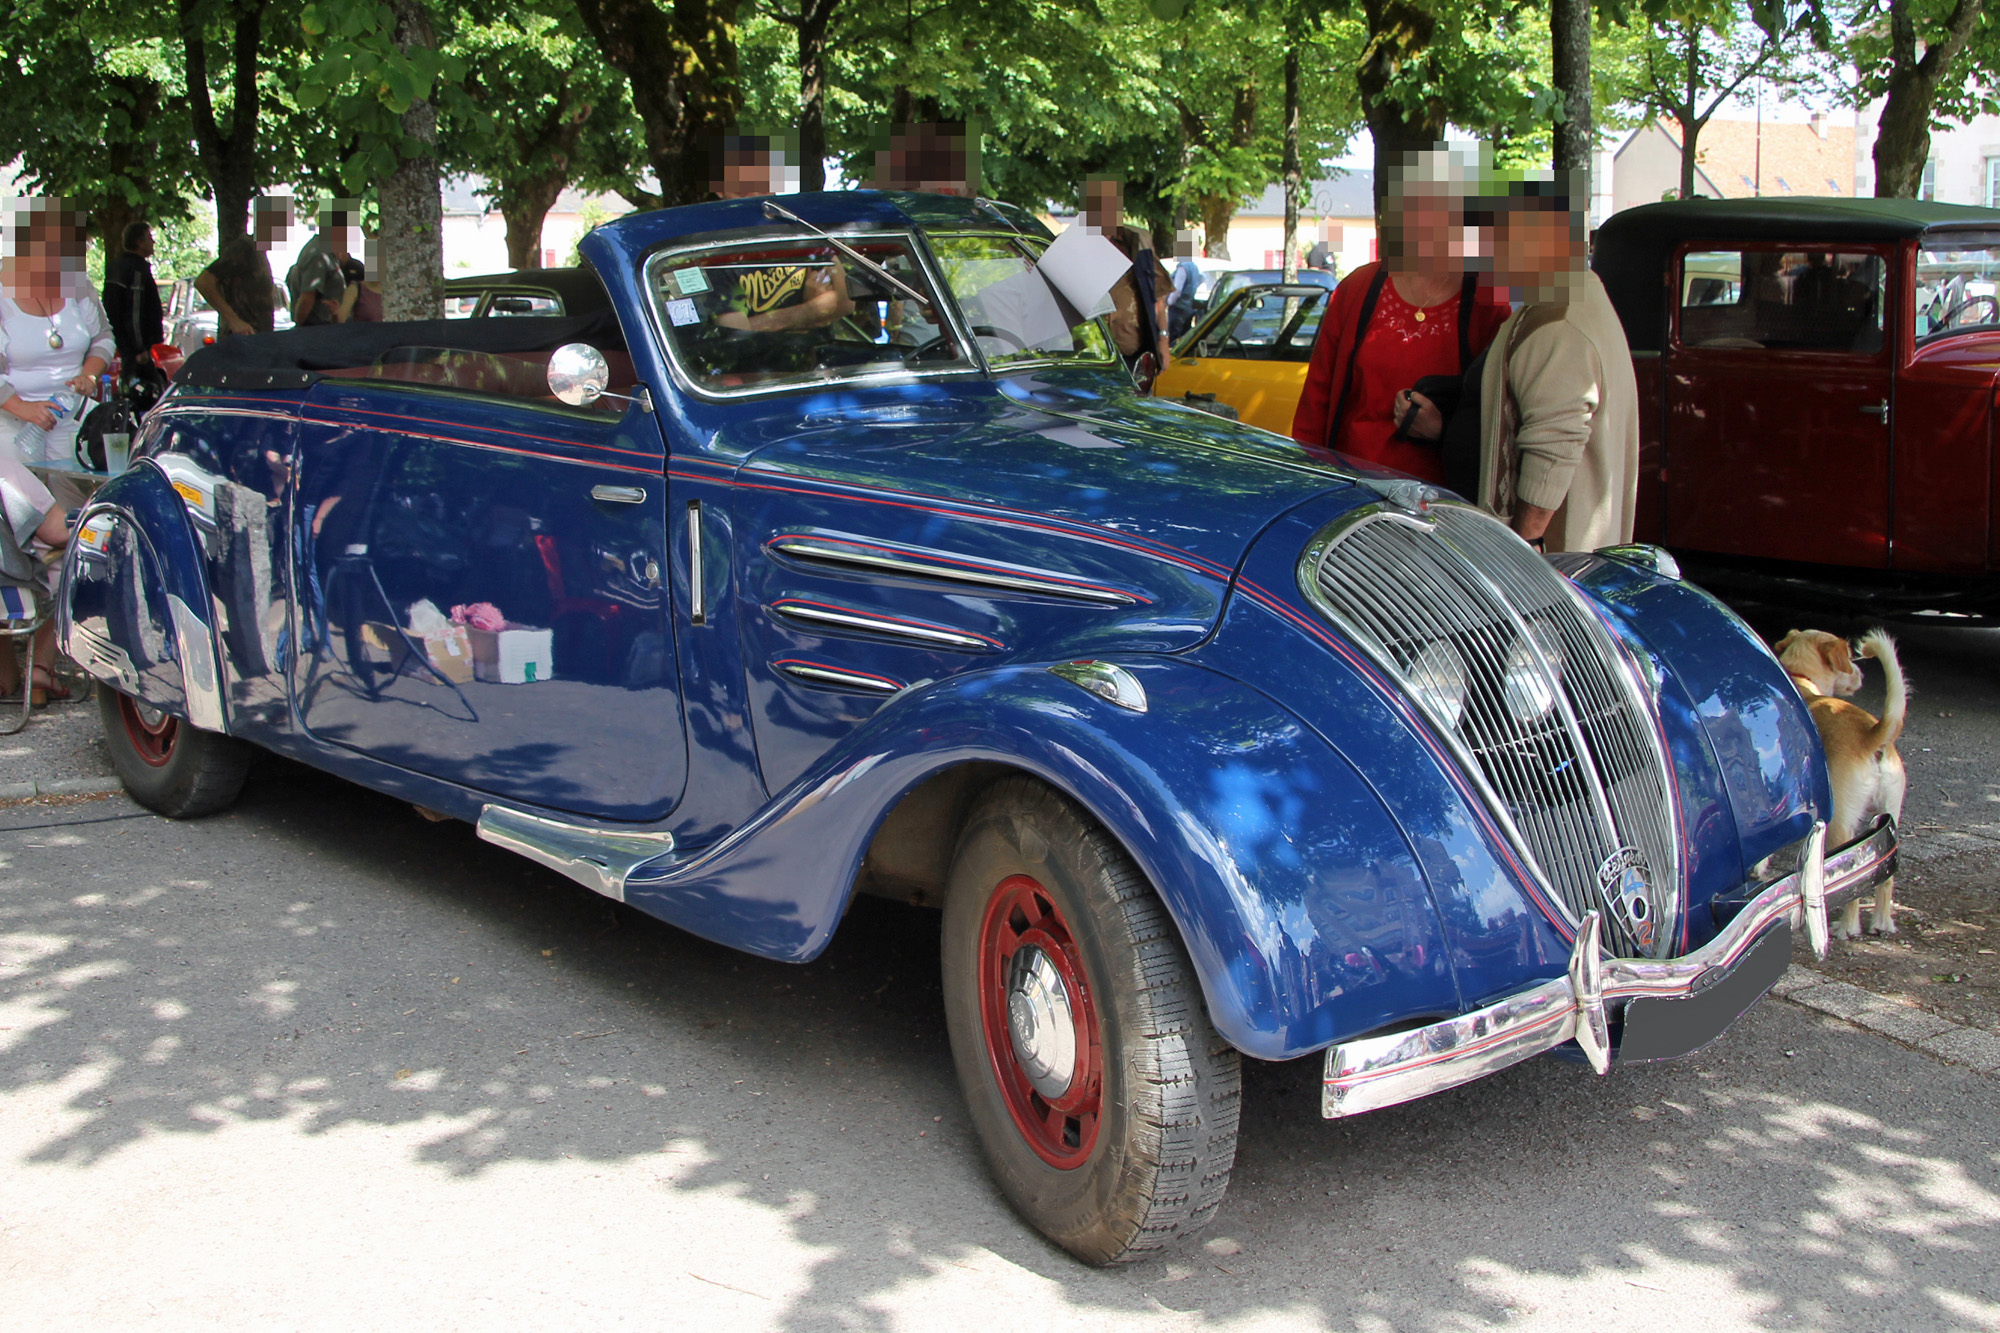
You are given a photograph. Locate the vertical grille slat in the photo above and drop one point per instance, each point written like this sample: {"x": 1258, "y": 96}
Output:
{"x": 1582, "y": 784}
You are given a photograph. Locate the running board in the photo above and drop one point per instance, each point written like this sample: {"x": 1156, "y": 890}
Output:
{"x": 597, "y": 858}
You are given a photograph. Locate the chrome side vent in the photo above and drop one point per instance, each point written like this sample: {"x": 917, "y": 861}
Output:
{"x": 1541, "y": 704}
{"x": 844, "y": 678}
{"x": 830, "y": 616}
{"x": 945, "y": 566}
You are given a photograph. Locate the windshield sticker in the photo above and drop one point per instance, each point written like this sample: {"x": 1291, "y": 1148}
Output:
{"x": 691, "y": 281}
{"x": 682, "y": 312}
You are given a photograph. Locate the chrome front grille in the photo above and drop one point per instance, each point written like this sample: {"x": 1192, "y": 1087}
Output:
{"x": 1550, "y": 718}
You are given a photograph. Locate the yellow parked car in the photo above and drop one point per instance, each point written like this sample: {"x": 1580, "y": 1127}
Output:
{"x": 1251, "y": 351}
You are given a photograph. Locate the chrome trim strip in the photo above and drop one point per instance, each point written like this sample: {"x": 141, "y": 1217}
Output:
{"x": 898, "y": 629}
{"x": 697, "y": 587}
{"x": 805, "y": 548}
{"x": 1373, "y": 1072}
{"x": 597, "y": 858}
{"x": 807, "y": 671}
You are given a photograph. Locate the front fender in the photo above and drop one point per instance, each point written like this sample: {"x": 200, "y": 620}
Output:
{"x": 1299, "y": 898}
{"x": 133, "y": 607}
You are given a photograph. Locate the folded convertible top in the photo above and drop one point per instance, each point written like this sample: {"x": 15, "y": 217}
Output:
{"x": 298, "y": 358}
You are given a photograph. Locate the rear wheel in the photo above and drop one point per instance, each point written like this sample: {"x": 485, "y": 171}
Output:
{"x": 166, "y": 764}
{"x": 1104, "y": 1098}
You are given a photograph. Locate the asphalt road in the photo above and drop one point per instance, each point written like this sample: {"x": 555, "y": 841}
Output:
{"x": 317, "y": 1063}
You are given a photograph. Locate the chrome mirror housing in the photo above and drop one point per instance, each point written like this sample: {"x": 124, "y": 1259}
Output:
{"x": 578, "y": 374}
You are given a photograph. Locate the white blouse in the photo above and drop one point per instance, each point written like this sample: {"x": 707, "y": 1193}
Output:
{"x": 29, "y": 366}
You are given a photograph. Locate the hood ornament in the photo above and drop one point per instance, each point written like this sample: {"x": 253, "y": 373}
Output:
{"x": 1406, "y": 493}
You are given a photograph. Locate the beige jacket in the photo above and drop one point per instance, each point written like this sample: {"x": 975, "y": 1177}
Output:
{"x": 1566, "y": 378}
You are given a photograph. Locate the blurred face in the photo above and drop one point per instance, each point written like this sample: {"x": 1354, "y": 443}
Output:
{"x": 1103, "y": 204}
{"x": 270, "y": 226}
{"x": 745, "y": 176}
{"x": 144, "y": 249}
{"x": 1431, "y": 228}
{"x": 1534, "y": 250}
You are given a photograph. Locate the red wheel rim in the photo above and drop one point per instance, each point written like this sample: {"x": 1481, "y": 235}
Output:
{"x": 151, "y": 731}
{"x": 1023, "y": 926}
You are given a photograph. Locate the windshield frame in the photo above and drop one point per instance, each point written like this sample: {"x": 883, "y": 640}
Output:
{"x": 834, "y": 377}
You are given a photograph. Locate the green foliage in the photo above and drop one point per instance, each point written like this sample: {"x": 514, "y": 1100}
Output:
{"x": 361, "y": 81}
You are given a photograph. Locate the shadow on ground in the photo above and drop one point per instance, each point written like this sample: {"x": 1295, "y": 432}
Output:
{"x": 323, "y": 955}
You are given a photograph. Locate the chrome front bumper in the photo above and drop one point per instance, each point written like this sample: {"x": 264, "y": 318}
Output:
{"x": 1382, "y": 1071}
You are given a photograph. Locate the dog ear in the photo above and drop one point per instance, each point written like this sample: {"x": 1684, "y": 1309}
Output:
{"x": 1839, "y": 658}
{"x": 1785, "y": 643}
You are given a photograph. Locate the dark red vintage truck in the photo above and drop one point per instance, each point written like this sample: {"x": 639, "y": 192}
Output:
{"x": 1818, "y": 378}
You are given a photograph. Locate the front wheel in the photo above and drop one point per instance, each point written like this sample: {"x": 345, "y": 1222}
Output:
{"x": 1104, "y": 1099}
{"x": 168, "y": 765}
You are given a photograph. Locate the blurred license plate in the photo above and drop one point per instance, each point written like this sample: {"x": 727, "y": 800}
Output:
{"x": 1663, "y": 1029}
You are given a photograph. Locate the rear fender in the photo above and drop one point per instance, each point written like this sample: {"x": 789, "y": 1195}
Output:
{"x": 1295, "y": 891}
{"x": 133, "y": 607}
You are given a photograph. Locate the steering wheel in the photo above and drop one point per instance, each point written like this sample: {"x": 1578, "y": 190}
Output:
{"x": 923, "y": 349}
{"x": 1955, "y": 318}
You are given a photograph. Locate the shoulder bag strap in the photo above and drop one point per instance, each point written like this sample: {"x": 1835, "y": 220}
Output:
{"x": 1468, "y": 290}
{"x": 1354, "y": 354}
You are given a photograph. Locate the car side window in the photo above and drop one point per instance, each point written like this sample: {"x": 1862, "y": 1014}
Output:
{"x": 1786, "y": 300}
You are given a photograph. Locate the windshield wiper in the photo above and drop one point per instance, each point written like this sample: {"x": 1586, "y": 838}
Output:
{"x": 778, "y": 212}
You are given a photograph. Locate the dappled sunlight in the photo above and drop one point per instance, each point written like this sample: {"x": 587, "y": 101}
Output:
{"x": 474, "y": 1089}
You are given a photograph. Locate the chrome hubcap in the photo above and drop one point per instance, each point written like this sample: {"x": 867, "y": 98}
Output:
{"x": 1040, "y": 1022}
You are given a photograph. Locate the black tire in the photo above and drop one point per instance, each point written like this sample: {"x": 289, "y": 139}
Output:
{"x": 168, "y": 765}
{"x": 1148, "y": 1162}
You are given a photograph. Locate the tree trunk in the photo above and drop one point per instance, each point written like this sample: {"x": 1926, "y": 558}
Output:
{"x": 1217, "y": 211}
{"x": 112, "y": 215}
{"x": 525, "y": 207}
{"x": 228, "y": 158}
{"x": 1398, "y": 34}
{"x": 814, "y": 17}
{"x": 1294, "y": 174}
{"x": 412, "y": 204}
{"x": 681, "y": 62}
{"x": 1903, "y": 134}
{"x": 1569, "y": 45}
{"x": 1690, "y": 123}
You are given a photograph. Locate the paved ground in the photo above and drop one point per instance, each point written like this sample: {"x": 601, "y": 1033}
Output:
{"x": 317, "y": 1063}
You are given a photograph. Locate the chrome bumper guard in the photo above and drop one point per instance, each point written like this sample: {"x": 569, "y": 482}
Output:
{"x": 1375, "y": 1072}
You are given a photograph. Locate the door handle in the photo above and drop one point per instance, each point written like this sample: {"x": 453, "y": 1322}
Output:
{"x": 619, "y": 495}
{"x": 697, "y": 584}
{"x": 1880, "y": 411}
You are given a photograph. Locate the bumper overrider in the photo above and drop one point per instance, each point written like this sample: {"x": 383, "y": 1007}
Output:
{"x": 1668, "y": 1007}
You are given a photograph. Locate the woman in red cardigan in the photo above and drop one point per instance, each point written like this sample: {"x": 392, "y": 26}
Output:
{"x": 1417, "y": 312}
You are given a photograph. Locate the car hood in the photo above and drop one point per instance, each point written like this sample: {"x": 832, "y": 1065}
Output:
{"x": 1070, "y": 473}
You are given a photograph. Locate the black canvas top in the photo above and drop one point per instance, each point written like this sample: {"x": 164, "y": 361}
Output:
{"x": 297, "y": 358}
{"x": 1634, "y": 247}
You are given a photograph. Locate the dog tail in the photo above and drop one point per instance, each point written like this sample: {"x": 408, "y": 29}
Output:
{"x": 1878, "y": 645}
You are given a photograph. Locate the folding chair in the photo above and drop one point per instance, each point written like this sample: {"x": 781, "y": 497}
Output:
{"x": 22, "y": 612}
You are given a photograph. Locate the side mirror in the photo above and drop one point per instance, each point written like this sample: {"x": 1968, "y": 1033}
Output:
{"x": 578, "y": 374}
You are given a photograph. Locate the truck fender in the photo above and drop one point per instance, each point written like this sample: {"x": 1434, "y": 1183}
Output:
{"x": 133, "y": 607}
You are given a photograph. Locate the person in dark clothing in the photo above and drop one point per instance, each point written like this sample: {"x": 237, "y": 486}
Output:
{"x": 132, "y": 298}
{"x": 1139, "y": 320}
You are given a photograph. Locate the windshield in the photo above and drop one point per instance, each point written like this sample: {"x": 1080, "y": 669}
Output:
{"x": 1958, "y": 286}
{"x": 1014, "y": 313}
{"x": 1274, "y": 325}
{"x": 777, "y": 313}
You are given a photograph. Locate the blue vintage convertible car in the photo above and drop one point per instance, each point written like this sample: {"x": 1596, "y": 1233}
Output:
{"x": 834, "y": 554}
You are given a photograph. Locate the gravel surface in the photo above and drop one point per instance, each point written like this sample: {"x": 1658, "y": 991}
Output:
{"x": 60, "y": 742}
{"x": 318, "y": 1064}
